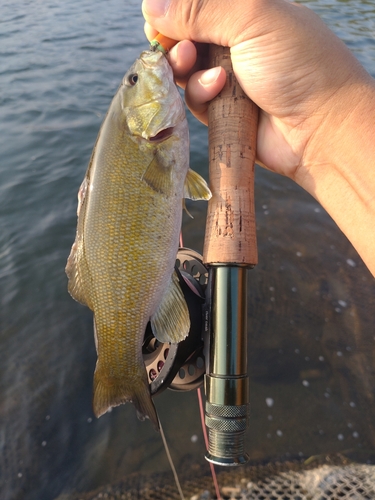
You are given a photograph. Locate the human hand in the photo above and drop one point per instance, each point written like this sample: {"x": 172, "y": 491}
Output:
{"x": 317, "y": 103}
{"x": 284, "y": 57}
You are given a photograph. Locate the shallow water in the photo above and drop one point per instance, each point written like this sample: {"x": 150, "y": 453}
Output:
{"x": 311, "y": 304}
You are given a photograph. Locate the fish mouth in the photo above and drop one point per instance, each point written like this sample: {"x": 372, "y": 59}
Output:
{"x": 162, "y": 135}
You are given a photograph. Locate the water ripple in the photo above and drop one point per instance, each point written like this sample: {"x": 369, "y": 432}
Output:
{"x": 61, "y": 64}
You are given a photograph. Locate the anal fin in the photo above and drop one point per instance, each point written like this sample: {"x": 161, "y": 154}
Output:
{"x": 171, "y": 322}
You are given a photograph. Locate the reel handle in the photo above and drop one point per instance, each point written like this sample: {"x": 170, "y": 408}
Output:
{"x": 230, "y": 236}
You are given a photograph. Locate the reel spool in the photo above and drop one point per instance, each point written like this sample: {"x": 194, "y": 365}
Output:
{"x": 180, "y": 367}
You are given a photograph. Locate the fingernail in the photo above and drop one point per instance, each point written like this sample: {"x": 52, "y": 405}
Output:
{"x": 210, "y": 76}
{"x": 155, "y": 8}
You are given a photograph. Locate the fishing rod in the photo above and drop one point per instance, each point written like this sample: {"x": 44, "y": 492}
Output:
{"x": 215, "y": 286}
{"x": 230, "y": 249}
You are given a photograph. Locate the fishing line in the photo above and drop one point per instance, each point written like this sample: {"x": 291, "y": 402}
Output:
{"x": 213, "y": 472}
{"x": 177, "y": 481}
{"x": 201, "y": 413}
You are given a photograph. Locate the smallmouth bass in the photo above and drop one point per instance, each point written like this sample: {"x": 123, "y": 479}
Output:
{"x": 129, "y": 218}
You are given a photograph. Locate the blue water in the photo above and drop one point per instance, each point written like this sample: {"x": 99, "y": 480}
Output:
{"x": 311, "y": 304}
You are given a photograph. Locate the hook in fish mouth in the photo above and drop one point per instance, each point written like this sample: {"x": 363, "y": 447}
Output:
{"x": 162, "y": 135}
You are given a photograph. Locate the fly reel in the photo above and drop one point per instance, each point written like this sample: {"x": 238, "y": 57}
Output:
{"x": 180, "y": 367}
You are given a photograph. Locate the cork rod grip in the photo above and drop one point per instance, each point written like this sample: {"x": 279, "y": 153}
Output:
{"x": 232, "y": 122}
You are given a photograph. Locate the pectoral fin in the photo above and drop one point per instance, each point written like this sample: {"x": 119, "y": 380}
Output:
{"x": 171, "y": 322}
{"x": 195, "y": 187}
{"x": 158, "y": 177}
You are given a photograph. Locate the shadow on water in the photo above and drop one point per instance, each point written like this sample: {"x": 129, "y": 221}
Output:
{"x": 311, "y": 304}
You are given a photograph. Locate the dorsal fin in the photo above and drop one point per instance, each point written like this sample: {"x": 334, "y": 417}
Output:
{"x": 73, "y": 270}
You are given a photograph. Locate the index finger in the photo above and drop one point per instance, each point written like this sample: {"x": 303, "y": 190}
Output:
{"x": 184, "y": 61}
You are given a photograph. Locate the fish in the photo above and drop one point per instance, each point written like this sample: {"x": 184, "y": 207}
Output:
{"x": 129, "y": 215}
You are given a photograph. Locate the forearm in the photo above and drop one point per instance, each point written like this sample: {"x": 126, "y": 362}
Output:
{"x": 339, "y": 167}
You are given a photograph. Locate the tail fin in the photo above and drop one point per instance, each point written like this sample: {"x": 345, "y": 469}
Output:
{"x": 110, "y": 392}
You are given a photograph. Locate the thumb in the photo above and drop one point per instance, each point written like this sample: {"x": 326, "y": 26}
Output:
{"x": 206, "y": 21}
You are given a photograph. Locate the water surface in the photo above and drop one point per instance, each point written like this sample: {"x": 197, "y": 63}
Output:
{"x": 311, "y": 304}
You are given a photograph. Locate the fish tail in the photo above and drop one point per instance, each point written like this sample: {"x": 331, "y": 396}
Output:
{"x": 110, "y": 392}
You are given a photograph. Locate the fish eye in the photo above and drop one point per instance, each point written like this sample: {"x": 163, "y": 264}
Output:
{"x": 132, "y": 79}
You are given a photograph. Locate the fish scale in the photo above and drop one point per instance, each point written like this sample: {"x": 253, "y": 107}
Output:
{"x": 129, "y": 219}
